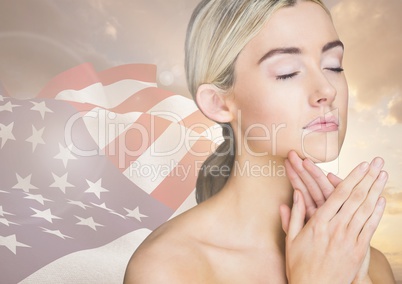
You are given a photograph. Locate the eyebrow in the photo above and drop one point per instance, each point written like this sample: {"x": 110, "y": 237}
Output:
{"x": 295, "y": 50}
{"x": 333, "y": 44}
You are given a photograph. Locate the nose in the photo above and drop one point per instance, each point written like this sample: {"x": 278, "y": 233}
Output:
{"x": 323, "y": 92}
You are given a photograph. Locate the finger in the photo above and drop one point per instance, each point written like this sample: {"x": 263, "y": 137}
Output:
{"x": 310, "y": 183}
{"x": 360, "y": 192}
{"x": 334, "y": 180}
{"x": 284, "y": 212}
{"x": 325, "y": 186}
{"x": 302, "y": 179}
{"x": 367, "y": 208}
{"x": 372, "y": 223}
{"x": 297, "y": 216}
{"x": 342, "y": 192}
{"x": 298, "y": 184}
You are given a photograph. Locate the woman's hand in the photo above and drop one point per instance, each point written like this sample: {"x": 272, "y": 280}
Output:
{"x": 342, "y": 228}
{"x": 315, "y": 186}
{"x": 305, "y": 176}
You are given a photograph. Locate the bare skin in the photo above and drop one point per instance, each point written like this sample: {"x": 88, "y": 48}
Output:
{"x": 184, "y": 251}
{"x": 316, "y": 188}
{"x": 238, "y": 236}
{"x": 224, "y": 238}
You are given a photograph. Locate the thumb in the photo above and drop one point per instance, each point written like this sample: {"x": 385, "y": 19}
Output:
{"x": 297, "y": 215}
{"x": 284, "y": 211}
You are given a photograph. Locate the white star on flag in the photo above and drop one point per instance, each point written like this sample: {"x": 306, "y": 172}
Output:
{"x": 117, "y": 214}
{"x": 61, "y": 182}
{"x": 8, "y": 107}
{"x": 2, "y": 212}
{"x": 37, "y": 197}
{"x": 78, "y": 203}
{"x": 47, "y": 186}
{"x": 11, "y": 243}
{"x": 88, "y": 222}
{"x": 65, "y": 154}
{"x": 6, "y": 133}
{"x": 135, "y": 214}
{"x": 96, "y": 187}
{"x": 6, "y": 222}
{"x": 24, "y": 183}
{"x": 42, "y": 108}
{"x": 103, "y": 206}
{"x": 56, "y": 233}
{"x": 45, "y": 214}
{"x": 36, "y": 138}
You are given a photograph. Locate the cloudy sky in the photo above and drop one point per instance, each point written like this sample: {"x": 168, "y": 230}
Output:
{"x": 39, "y": 39}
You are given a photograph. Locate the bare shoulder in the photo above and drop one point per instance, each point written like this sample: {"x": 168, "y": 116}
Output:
{"x": 380, "y": 270}
{"x": 168, "y": 255}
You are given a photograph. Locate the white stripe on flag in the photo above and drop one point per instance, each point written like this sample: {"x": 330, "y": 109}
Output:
{"x": 80, "y": 267}
{"x": 108, "y": 96}
{"x": 104, "y": 126}
{"x": 157, "y": 162}
{"x": 189, "y": 203}
{"x": 174, "y": 108}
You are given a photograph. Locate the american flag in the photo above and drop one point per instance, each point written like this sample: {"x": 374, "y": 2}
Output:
{"x": 89, "y": 167}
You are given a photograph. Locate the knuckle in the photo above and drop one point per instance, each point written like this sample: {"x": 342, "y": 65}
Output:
{"x": 319, "y": 201}
{"x": 338, "y": 238}
{"x": 367, "y": 209}
{"x": 358, "y": 219}
{"x": 319, "y": 227}
{"x": 359, "y": 195}
{"x": 342, "y": 191}
{"x": 373, "y": 173}
{"x": 370, "y": 226}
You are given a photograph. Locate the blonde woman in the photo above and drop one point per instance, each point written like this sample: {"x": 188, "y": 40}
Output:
{"x": 270, "y": 72}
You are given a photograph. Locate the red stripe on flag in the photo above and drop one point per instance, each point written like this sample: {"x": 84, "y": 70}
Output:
{"x": 75, "y": 78}
{"x": 143, "y": 100}
{"x": 175, "y": 189}
{"x": 3, "y": 90}
{"x": 198, "y": 122}
{"x": 132, "y": 143}
{"x": 82, "y": 107}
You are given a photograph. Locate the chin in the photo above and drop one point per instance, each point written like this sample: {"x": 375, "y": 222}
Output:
{"x": 324, "y": 158}
{"x": 322, "y": 150}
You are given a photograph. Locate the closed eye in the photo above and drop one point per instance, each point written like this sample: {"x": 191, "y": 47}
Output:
{"x": 287, "y": 76}
{"x": 337, "y": 70}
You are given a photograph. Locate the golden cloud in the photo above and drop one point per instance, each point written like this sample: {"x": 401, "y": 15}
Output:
{"x": 373, "y": 60}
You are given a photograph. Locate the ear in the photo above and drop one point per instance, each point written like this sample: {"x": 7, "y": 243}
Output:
{"x": 213, "y": 103}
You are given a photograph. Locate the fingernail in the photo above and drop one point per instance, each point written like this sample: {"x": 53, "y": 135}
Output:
{"x": 295, "y": 197}
{"x": 383, "y": 175}
{"x": 364, "y": 166}
{"x": 378, "y": 162}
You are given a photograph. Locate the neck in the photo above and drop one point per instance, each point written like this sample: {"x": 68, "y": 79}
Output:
{"x": 253, "y": 194}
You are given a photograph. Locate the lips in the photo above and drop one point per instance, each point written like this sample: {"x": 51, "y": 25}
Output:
{"x": 323, "y": 124}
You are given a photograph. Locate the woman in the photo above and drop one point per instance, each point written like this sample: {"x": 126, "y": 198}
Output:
{"x": 270, "y": 72}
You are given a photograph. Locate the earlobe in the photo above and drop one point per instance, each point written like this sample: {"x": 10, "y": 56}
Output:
{"x": 211, "y": 101}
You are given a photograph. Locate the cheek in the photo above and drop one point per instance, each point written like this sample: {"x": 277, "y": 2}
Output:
{"x": 269, "y": 118}
{"x": 271, "y": 128}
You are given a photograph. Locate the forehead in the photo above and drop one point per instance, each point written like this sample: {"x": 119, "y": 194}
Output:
{"x": 305, "y": 25}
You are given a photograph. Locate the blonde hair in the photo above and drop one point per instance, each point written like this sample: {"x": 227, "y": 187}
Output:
{"x": 217, "y": 32}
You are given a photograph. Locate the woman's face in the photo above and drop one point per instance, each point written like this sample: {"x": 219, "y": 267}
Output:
{"x": 290, "y": 89}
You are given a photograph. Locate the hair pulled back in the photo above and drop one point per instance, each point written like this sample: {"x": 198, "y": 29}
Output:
{"x": 217, "y": 32}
